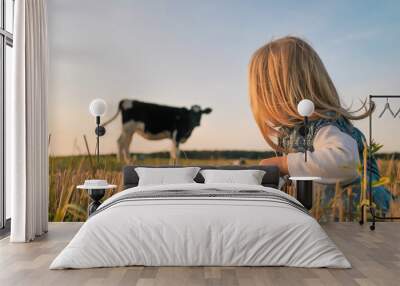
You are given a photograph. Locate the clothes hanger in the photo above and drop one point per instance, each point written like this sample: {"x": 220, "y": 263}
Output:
{"x": 397, "y": 113}
{"x": 387, "y": 107}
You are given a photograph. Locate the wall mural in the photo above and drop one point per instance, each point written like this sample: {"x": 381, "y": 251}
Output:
{"x": 173, "y": 76}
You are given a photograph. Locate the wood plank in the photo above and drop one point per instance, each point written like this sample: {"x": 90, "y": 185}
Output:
{"x": 375, "y": 257}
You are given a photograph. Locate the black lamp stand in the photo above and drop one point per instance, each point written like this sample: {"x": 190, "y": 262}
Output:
{"x": 96, "y": 194}
{"x": 304, "y": 193}
{"x": 305, "y": 137}
{"x": 304, "y": 188}
{"x": 100, "y": 131}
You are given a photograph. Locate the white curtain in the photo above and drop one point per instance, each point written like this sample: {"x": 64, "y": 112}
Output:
{"x": 27, "y": 121}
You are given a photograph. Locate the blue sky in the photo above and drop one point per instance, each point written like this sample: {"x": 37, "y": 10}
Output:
{"x": 196, "y": 52}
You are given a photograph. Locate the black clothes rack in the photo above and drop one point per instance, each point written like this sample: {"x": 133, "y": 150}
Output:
{"x": 371, "y": 199}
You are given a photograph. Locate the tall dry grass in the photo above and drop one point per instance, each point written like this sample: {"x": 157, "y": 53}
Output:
{"x": 66, "y": 203}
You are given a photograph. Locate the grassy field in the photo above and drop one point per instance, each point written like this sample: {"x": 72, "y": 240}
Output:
{"x": 66, "y": 203}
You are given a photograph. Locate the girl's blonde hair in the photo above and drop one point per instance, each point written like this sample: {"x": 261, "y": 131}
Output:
{"x": 283, "y": 72}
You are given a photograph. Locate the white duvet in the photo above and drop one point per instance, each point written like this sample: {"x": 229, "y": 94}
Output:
{"x": 200, "y": 231}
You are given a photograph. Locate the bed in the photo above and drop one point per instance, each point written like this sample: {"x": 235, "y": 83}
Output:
{"x": 201, "y": 224}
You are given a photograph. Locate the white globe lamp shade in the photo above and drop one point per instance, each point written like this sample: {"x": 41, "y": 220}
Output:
{"x": 305, "y": 108}
{"x": 98, "y": 107}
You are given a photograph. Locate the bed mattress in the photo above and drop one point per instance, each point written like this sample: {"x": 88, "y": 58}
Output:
{"x": 201, "y": 225}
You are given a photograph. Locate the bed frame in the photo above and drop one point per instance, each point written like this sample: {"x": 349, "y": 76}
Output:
{"x": 270, "y": 179}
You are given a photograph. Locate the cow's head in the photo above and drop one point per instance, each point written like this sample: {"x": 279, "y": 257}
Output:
{"x": 195, "y": 114}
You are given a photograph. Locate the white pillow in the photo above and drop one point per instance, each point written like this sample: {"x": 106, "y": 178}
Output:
{"x": 248, "y": 177}
{"x": 165, "y": 176}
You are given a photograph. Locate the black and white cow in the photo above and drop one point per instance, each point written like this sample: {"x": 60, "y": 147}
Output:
{"x": 156, "y": 122}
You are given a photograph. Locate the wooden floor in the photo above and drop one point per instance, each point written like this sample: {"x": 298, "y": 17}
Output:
{"x": 375, "y": 257}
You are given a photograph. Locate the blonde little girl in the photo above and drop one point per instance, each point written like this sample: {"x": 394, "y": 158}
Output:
{"x": 281, "y": 74}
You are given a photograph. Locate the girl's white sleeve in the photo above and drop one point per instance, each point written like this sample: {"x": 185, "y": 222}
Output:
{"x": 335, "y": 157}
